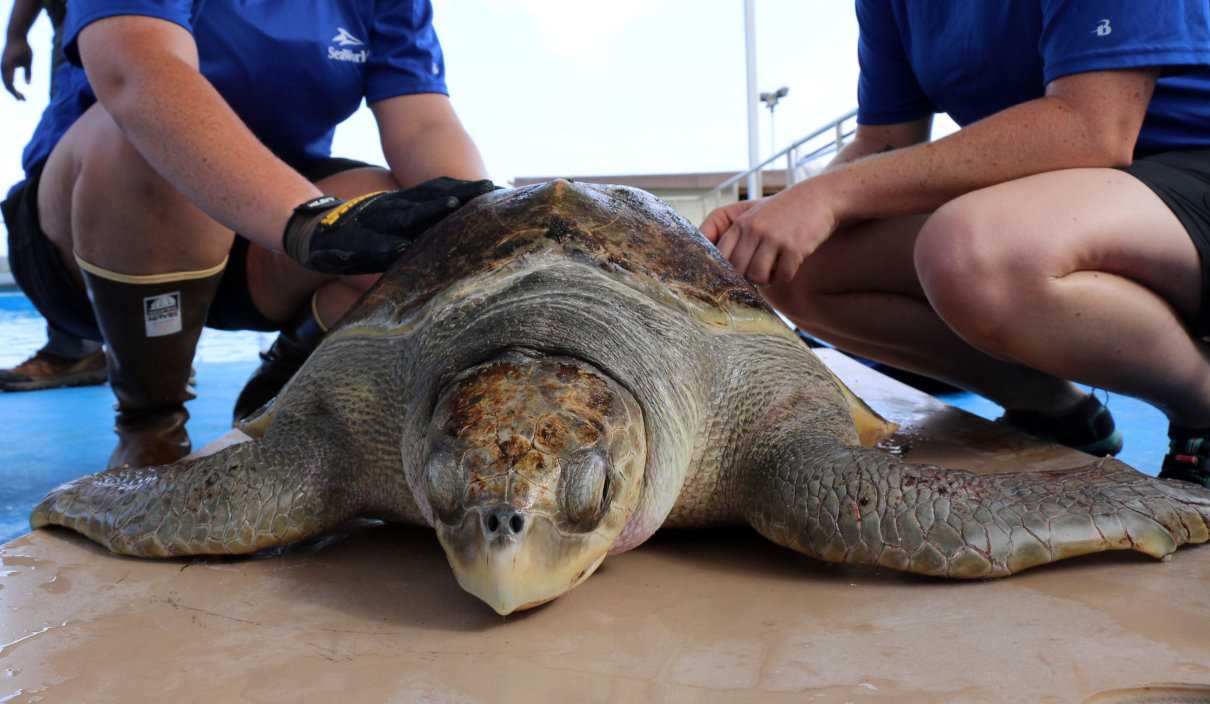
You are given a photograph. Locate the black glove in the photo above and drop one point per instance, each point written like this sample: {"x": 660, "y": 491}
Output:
{"x": 367, "y": 234}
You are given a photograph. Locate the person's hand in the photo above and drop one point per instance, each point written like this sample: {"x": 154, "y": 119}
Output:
{"x": 17, "y": 54}
{"x": 367, "y": 234}
{"x": 767, "y": 240}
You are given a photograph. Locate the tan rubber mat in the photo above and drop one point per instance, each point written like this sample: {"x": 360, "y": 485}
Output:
{"x": 374, "y": 615}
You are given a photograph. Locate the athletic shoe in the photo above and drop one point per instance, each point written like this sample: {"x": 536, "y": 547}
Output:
{"x": 1088, "y": 427}
{"x": 1186, "y": 460}
{"x": 50, "y": 371}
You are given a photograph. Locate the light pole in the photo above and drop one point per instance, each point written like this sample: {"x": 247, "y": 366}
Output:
{"x": 771, "y": 100}
{"x": 754, "y": 186}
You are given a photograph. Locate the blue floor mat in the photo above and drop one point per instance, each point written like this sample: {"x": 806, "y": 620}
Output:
{"x": 51, "y": 437}
{"x": 1144, "y": 429}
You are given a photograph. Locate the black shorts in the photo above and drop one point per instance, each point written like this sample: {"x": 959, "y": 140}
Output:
{"x": 41, "y": 273}
{"x": 1182, "y": 180}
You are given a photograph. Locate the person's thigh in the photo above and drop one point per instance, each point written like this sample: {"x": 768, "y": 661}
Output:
{"x": 278, "y": 284}
{"x": 984, "y": 253}
{"x": 874, "y": 256}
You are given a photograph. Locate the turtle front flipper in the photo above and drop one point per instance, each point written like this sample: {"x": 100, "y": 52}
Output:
{"x": 861, "y": 506}
{"x": 241, "y": 499}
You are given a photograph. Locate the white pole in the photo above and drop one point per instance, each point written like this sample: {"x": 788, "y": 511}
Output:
{"x": 772, "y": 133}
{"x": 754, "y": 187}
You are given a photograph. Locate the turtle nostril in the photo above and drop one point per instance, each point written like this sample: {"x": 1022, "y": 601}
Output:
{"x": 504, "y": 520}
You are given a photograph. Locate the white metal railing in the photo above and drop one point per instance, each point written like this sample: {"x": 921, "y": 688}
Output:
{"x": 799, "y": 157}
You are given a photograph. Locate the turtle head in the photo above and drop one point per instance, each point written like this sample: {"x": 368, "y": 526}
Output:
{"x": 534, "y": 467}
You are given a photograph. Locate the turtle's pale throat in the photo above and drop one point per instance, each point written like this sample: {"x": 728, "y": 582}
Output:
{"x": 512, "y": 571}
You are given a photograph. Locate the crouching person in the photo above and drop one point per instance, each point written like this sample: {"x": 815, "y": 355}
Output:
{"x": 214, "y": 118}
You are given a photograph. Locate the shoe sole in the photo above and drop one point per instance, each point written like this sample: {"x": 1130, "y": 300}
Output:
{"x": 1110, "y": 446}
{"x": 72, "y": 380}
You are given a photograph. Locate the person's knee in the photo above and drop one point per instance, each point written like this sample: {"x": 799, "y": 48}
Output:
{"x": 973, "y": 272}
{"x": 117, "y": 196}
{"x": 110, "y": 165}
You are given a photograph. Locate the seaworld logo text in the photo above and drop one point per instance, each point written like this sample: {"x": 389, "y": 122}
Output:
{"x": 357, "y": 57}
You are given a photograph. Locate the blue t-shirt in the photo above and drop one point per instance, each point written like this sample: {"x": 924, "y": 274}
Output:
{"x": 973, "y": 58}
{"x": 291, "y": 73}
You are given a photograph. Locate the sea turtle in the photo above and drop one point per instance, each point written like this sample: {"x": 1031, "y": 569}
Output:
{"x": 555, "y": 372}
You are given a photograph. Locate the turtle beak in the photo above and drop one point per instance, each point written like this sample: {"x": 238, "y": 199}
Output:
{"x": 513, "y": 561}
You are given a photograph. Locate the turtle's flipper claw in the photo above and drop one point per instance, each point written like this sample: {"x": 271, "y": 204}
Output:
{"x": 93, "y": 506}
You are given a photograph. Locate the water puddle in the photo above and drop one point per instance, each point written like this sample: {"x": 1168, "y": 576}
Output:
{"x": 7, "y": 648}
{"x": 21, "y": 561}
{"x": 57, "y": 585}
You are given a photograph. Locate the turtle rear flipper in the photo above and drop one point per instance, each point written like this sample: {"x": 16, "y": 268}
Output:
{"x": 241, "y": 499}
{"x": 856, "y": 505}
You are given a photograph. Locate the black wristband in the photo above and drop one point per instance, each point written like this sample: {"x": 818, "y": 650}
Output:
{"x": 318, "y": 205}
{"x": 297, "y": 243}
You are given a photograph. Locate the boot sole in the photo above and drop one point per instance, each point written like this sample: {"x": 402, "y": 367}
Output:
{"x": 71, "y": 380}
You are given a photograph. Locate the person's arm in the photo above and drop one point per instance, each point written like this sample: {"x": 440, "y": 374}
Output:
{"x": 877, "y": 139}
{"x": 17, "y": 52}
{"x": 1084, "y": 120}
{"x": 868, "y": 140}
{"x": 423, "y": 139}
{"x": 145, "y": 74}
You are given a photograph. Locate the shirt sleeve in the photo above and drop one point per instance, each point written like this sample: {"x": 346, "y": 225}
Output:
{"x": 1080, "y": 36}
{"x": 81, "y": 13}
{"x": 887, "y": 89}
{"x": 405, "y": 56}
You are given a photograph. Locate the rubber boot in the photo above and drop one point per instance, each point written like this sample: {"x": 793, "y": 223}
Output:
{"x": 298, "y": 339}
{"x": 151, "y": 326}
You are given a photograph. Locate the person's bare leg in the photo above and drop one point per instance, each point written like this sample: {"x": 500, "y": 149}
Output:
{"x": 860, "y": 292}
{"x": 279, "y": 285}
{"x": 1084, "y": 274}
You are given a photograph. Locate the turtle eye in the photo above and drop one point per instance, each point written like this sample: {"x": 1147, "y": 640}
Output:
{"x": 444, "y": 477}
{"x": 604, "y": 499}
{"x": 583, "y": 489}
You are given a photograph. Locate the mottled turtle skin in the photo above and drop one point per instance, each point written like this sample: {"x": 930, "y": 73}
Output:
{"x": 555, "y": 372}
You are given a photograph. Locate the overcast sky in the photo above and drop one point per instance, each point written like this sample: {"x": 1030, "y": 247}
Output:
{"x": 556, "y": 87}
